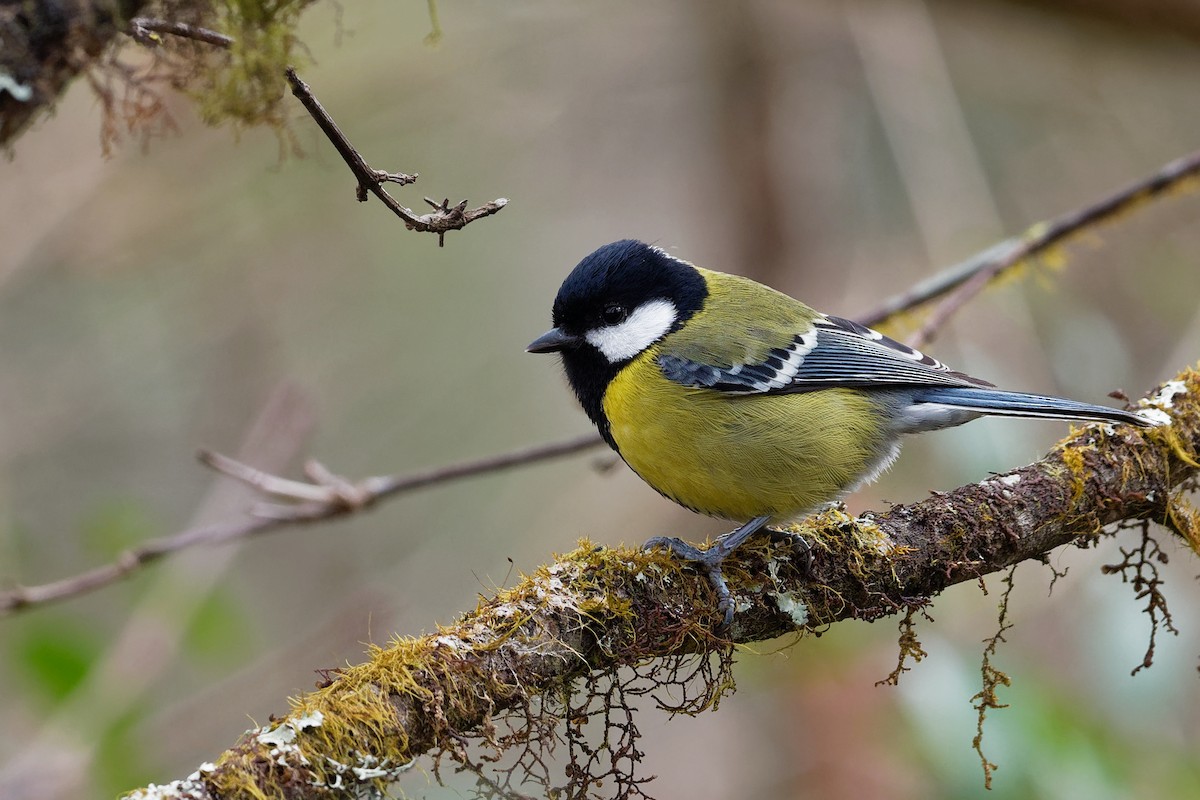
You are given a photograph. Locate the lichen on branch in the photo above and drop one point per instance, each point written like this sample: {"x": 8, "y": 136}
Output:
{"x": 509, "y": 673}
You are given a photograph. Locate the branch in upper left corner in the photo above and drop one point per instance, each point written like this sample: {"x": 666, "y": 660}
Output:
{"x": 444, "y": 217}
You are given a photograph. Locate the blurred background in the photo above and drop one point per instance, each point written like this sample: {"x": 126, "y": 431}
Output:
{"x": 203, "y": 293}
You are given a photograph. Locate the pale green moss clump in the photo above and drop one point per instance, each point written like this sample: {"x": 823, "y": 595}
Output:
{"x": 249, "y": 86}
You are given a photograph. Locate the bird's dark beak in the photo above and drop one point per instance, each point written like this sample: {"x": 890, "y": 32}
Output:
{"x": 553, "y": 341}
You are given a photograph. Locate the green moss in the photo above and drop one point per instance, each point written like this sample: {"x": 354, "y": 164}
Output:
{"x": 1073, "y": 456}
{"x": 449, "y": 676}
{"x": 248, "y": 87}
{"x": 1180, "y": 400}
{"x": 1184, "y": 519}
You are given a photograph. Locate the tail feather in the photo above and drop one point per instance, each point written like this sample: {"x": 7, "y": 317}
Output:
{"x": 1019, "y": 404}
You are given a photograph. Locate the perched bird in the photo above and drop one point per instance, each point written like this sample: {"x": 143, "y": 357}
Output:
{"x": 737, "y": 401}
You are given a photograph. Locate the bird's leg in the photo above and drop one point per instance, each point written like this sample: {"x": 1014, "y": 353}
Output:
{"x": 710, "y": 559}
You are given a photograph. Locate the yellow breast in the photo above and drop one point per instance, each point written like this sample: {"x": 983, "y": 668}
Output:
{"x": 743, "y": 456}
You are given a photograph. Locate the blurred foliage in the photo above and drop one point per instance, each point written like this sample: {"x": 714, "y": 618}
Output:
{"x": 1052, "y": 745}
{"x": 249, "y": 88}
{"x": 120, "y": 760}
{"x": 117, "y": 525}
{"x": 54, "y": 658}
{"x": 219, "y": 631}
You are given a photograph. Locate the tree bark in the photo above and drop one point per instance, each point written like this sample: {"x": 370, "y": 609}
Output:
{"x": 596, "y": 609}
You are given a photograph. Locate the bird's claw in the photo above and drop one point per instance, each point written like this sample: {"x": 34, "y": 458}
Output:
{"x": 677, "y": 547}
{"x": 710, "y": 562}
{"x": 796, "y": 543}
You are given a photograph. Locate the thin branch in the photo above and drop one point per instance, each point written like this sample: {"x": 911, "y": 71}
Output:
{"x": 330, "y": 495}
{"x": 145, "y": 31}
{"x": 597, "y": 609}
{"x": 934, "y": 286}
{"x": 445, "y": 217}
{"x": 326, "y": 497}
{"x": 966, "y": 279}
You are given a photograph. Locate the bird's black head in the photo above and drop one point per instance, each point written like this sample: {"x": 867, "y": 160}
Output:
{"x": 617, "y": 301}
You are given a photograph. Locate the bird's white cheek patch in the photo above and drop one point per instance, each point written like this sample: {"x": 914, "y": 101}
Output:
{"x": 648, "y": 323}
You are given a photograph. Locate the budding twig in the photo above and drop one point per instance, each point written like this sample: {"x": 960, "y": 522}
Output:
{"x": 442, "y": 219}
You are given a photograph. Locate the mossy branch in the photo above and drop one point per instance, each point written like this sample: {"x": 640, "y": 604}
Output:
{"x": 229, "y": 55}
{"x": 595, "y": 609}
{"x": 44, "y": 45}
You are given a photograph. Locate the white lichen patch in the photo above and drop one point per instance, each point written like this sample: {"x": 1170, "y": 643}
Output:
{"x": 786, "y": 601}
{"x": 313, "y": 719}
{"x": 21, "y": 92}
{"x": 555, "y": 592}
{"x": 288, "y": 755}
{"x": 788, "y": 604}
{"x": 452, "y": 642}
{"x": 1155, "y": 415}
{"x": 640, "y": 574}
{"x": 281, "y": 739}
{"x": 279, "y": 736}
{"x": 190, "y": 788}
{"x": 1152, "y": 408}
{"x": 366, "y": 769}
{"x": 1166, "y": 395}
{"x": 773, "y": 569}
{"x": 563, "y": 602}
{"x": 206, "y": 767}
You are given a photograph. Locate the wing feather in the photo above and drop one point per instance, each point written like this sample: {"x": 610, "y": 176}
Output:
{"x": 831, "y": 352}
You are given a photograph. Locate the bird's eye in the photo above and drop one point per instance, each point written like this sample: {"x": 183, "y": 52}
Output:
{"x": 613, "y": 314}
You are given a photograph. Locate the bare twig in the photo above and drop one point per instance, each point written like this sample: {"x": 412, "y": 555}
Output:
{"x": 329, "y": 495}
{"x": 969, "y": 277}
{"x": 145, "y": 31}
{"x": 443, "y": 218}
{"x": 325, "y": 497}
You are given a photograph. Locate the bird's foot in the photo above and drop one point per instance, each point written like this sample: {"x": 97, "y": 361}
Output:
{"x": 710, "y": 560}
{"x": 796, "y": 543}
